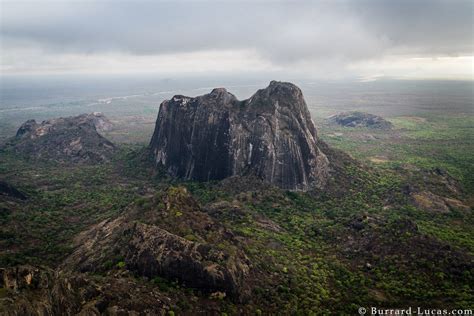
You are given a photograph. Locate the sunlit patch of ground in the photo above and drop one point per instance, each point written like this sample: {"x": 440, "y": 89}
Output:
{"x": 416, "y": 119}
{"x": 379, "y": 160}
{"x": 408, "y": 122}
{"x": 335, "y": 135}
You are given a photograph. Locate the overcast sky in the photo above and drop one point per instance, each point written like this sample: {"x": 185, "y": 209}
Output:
{"x": 317, "y": 39}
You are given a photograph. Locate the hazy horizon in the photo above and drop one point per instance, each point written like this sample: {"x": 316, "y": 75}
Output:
{"x": 45, "y": 97}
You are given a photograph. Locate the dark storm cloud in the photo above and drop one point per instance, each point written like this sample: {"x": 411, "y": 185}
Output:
{"x": 283, "y": 32}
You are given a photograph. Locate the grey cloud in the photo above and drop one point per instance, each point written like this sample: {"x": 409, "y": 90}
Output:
{"x": 283, "y": 32}
{"x": 435, "y": 26}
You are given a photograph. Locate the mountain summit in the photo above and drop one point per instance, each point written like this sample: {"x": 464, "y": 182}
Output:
{"x": 215, "y": 136}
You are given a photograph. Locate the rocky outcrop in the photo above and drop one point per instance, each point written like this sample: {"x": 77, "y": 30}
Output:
{"x": 100, "y": 121}
{"x": 151, "y": 251}
{"x": 360, "y": 119}
{"x": 215, "y": 136}
{"x": 71, "y": 139}
{"x": 8, "y": 190}
{"x": 434, "y": 190}
{"x": 28, "y": 290}
{"x": 22, "y": 277}
{"x": 156, "y": 252}
{"x": 134, "y": 264}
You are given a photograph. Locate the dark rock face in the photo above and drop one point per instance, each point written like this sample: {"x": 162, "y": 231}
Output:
{"x": 360, "y": 119}
{"x": 71, "y": 139}
{"x": 7, "y": 189}
{"x": 151, "y": 251}
{"x": 215, "y": 136}
{"x": 29, "y": 290}
{"x": 22, "y": 277}
{"x": 154, "y": 251}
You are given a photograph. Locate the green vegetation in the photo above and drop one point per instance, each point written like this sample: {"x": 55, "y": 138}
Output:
{"x": 425, "y": 142}
{"x": 62, "y": 202}
{"x": 312, "y": 255}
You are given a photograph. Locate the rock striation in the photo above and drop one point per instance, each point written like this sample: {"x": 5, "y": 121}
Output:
{"x": 215, "y": 136}
{"x": 360, "y": 119}
{"x": 70, "y": 139}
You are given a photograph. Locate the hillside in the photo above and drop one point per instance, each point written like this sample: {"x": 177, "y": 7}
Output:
{"x": 67, "y": 140}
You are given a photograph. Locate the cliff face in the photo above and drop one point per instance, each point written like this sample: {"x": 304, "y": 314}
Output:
{"x": 214, "y": 136}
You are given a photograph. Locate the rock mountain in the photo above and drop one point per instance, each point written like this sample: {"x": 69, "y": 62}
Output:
{"x": 215, "y": 136}
{"x": 73, "y": 139}
{"x": 360, "y": 119}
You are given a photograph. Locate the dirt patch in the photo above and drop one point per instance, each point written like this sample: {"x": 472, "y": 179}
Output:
{"x": 379, "y": 159}
{"x": 430, "y": 202}
{"x": 415, "y": 119}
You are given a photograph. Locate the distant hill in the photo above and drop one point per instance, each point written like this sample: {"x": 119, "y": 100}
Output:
{"x": 360, "y": 119}
{"x": 70, "y": 139}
